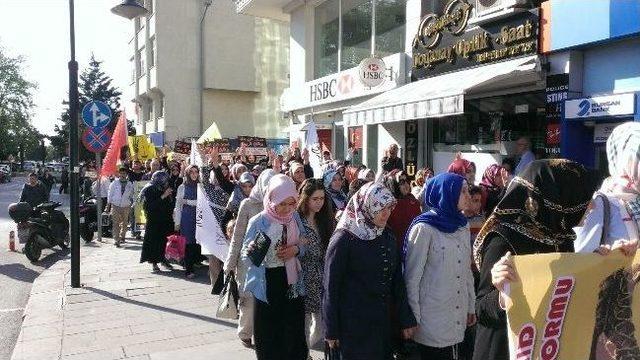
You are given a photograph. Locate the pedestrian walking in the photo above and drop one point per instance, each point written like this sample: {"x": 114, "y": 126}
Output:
{"x": 184, "y": 217}
{"x": 64, "y": 181}
{"x": 318, "y": 221}
{"x": 536, "y": 215}
{"x": 363, "y": 277}
{"x": 276, "y": 283}
{"x": 249, "y": 208}
{"x": 119, "y": 201}
{"x": 333, "y": 182}
{"x": 437, "y": 269}
{"x": 157, "y": 205}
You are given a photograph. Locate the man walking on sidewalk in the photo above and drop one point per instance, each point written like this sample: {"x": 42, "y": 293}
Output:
{"x": 119, "y": 200}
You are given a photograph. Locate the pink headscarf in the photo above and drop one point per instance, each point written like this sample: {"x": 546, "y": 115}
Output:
{"x": 282, "y": 187}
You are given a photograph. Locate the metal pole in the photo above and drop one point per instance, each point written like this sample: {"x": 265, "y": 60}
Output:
{"x": 73, "y": 153}
{"x": 99, "y": 197}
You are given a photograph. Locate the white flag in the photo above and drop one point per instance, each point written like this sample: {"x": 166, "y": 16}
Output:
{"x": 194, "y": 157}
{"x": 208, "y": 232}
{"x": 312, "y": 144}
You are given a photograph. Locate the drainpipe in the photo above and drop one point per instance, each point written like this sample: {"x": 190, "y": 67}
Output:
{"x": 207, "y": 4}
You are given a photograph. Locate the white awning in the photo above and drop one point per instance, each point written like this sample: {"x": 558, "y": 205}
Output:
{"x": 434, "y": 97}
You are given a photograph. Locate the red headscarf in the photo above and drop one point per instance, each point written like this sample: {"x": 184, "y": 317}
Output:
{"x": 461, "y": 167}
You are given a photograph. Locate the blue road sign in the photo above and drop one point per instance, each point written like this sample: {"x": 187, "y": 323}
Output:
{"x": 96, "y": 114}
{"x": 96, "y": 139}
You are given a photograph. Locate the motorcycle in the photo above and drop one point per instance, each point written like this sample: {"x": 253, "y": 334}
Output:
{"x": 42, "y": 227}
{"x": 89, "y": 220}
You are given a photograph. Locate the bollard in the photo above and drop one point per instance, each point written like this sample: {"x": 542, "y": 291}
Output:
{"x": 12, "y": 240}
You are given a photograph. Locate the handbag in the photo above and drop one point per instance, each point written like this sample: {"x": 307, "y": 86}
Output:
{"x": 228, "y": 300}
{"x": 175, "y": 248}
{"x": 258, "y": 250}
{"x": 331, "y": 354}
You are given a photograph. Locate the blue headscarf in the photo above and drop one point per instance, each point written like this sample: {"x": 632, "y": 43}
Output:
{"x": 441, "y": 195}
{"x": 338, "y": 197}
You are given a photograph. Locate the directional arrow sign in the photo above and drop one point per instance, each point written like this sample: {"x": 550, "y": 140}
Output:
{"x": 96, "y": 139}
{"x": 96, "y": 114}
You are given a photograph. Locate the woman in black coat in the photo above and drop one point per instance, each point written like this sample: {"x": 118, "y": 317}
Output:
{"x": 363, "y": 279}
{"x": 536, "y": 215}
{"x": 157, "y": 203}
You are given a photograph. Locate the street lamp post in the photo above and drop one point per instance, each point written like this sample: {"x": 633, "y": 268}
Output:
{"x": 74, "y": 169}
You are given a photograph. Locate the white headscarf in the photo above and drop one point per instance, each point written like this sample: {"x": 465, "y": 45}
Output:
{"x": 261, "y": 186}
{"x": 357, "y": 217}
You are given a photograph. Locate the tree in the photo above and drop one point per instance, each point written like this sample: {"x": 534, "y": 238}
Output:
{"x": 94, "y": 84}
{"x": 17, "y": 135}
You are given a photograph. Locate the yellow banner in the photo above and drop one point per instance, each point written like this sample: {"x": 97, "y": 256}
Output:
{"x": 137, "y": 206}
{"x": 141, "y": 148}
{"x": 575, "y": 306}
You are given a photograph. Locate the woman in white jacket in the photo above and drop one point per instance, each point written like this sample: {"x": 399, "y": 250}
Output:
{"x": 437, "y": 269}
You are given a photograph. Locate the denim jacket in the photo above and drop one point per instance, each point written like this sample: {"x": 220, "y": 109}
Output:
{"x": 255, "y": 281}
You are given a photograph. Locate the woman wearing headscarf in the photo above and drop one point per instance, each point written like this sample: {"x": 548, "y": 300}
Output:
{"x": 407, "y": 207}
{"x": 249, "y": 208}
{"x": 296, "y": 172}
{"x": 493, "y": 184}
{"x": 277, "y": 283}
{"x": 437, "y": 269}
{"x": 245, "y": 183}
{"x": 621, "y": 191}
{"x": 363, "y": 279}
{"x": 464, "y": 168}
{"x": 184, "y": 217}
{"x": 157, "y": 204}
{"x": 536, "y": 215}
{"x": 333, "y": 184}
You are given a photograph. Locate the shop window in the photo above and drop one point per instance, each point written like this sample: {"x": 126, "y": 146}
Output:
{"x": 492, "y": 125}
{"x": 390, "y": 26}
{"x": 356, "y": 32}
{"x": 327, "y": 26}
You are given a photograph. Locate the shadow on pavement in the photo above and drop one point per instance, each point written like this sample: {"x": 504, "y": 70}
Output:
{"x": 20, "y": 272}
{"x": 161, "y": 308}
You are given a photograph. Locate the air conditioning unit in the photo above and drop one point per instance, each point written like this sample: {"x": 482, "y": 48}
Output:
{"x": 488, "y": 7}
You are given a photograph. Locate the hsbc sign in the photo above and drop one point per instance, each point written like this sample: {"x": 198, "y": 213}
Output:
{"x": 346, "y": 84}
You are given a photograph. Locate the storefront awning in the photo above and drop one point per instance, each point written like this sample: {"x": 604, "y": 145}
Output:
{"x": 434, "y": 97}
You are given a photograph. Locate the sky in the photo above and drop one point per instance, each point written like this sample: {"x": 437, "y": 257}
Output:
{"x": 38, "y": 30}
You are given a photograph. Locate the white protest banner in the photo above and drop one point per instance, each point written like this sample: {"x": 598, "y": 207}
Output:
{"x": 208, "y": 232}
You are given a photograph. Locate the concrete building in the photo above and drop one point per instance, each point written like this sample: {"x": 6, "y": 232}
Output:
{"x": 243, "y": 72}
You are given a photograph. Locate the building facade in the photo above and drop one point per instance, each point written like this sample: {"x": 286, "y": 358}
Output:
{"x": 464, "y": 76}
{"x": 242, "y": 77}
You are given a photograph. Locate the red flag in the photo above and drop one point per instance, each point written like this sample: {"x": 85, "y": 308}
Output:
{"x": 119, "y": 139}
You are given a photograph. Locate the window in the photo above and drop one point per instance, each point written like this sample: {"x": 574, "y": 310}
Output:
{"x": 161, "y": 107}
{"x": 327, "y": 24}
{"x": 147, "y": 111}
{"x": 390, "y": 26}
{"x": 132, "y": 64}
{"x": 152, "y": 54}
{"x": 344, "y": 31}
{"x": 142, "y": 62}
{"x": 152, "y": 110}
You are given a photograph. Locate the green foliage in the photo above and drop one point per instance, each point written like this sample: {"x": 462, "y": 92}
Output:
{"x": 93, "y": 84}
{"x": 17, "y": 135}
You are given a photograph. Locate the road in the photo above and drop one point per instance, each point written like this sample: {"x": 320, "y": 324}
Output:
{"x": 16, "y": 272}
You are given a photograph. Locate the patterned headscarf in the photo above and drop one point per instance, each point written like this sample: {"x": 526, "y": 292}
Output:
{"x": 491, "y": 175}
{"x": 338, "y": 196}
{"x": 236, "y": 170}
{"x": 357, "y": 217}
{"x": 542, "y": 204}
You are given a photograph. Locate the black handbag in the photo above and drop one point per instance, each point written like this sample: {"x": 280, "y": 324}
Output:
{"x": 258, "y": 248}
{"x": 331, "y": 354}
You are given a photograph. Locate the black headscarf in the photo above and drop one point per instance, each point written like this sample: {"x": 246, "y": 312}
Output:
{"x": 542, "y": 204}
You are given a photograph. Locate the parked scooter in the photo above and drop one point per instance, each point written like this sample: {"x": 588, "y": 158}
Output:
{"x": 42, "y": 227}
{"x": 89, "y": 220}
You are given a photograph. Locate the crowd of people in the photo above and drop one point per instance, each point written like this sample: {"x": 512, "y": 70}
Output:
{"x": 380, "y": 265}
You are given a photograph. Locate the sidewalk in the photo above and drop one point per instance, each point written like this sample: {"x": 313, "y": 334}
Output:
{"x": 124, "y": 311}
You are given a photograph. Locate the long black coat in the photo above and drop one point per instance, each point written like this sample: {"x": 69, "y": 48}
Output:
{"x": 159, "y": 224}
{"x": 363, "y": 282}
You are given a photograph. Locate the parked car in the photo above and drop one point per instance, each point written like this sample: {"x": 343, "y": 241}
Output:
{"x": 30, "y": 166}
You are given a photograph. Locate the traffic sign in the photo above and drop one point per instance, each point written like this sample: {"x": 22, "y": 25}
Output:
{"x": 96, "y": 139}
{"x": 96, "y": 114}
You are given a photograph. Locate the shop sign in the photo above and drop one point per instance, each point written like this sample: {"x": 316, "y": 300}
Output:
{"x": 348, "y": 84}
{"x": 557, "y": 91}
{"x": 601, "y": 132}
{"x": 372, "y": 72}
{"x": 443, "y": 43}
{"x": 601, "y": 106}
{"x": 411, "y": 147}
{"x": 553, "y": 135}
